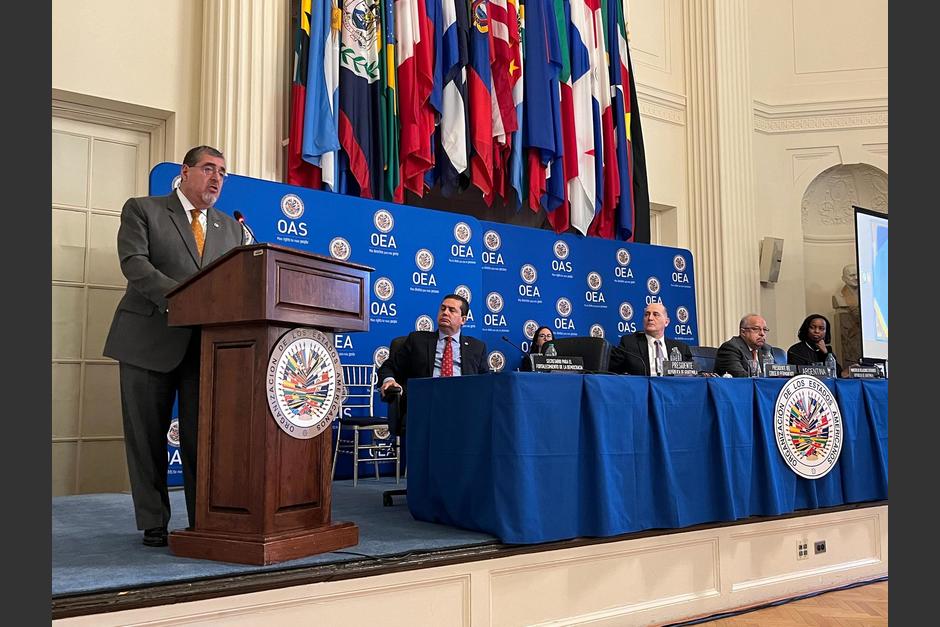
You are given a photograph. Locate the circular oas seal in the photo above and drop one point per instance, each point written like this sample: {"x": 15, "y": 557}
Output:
{"x": 528, "y": 273}
{"x": 561, "y": 250}
{"x": 597, "y": 330}
{"x": 424, "y": 259}
{"x": 304, "y": 383}
{"x": 383, "y": 220}
{"x": 492, "y": 240}
{"x": 808, "y": 426}
{"x": 496, "y": 361}
{"x": 594, "y": 281}
{"x": 340, "y": 249}
{"x": 424, "y": 323}
{"x": 462, "y": 232}
{"x": 292, "y": 206}
{"x": 626, "y": 311}
{"x": 494, "y": 302}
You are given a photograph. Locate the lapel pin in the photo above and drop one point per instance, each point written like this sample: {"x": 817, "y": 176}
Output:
{"x": 215, "y": 224}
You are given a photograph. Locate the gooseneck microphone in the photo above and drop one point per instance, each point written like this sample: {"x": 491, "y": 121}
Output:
{"x": 249, "y": 234}
{"x": 507, "y": 340}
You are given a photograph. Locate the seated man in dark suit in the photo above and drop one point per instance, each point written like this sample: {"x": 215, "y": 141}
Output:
{"x": 638, "y": 350}
{"x": 742, "y": 355}
{"x": 441, "y": 353}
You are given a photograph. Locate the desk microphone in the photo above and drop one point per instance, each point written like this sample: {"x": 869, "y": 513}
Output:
{"x": 250, "y": 236}
{"x": 506, "y": 339}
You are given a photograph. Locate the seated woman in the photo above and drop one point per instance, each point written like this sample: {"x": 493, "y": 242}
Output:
{"x": 814, "y": 345}
{"x": 542, "y": 335}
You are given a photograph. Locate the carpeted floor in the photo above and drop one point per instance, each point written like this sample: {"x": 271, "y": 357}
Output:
{"x": 96, "y": 546}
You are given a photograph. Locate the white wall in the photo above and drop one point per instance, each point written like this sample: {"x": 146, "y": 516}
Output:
{"x": 142, "y": 53}
{"x": 819, "y": 81}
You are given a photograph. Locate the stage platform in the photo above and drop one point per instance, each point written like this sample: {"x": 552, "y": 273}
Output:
{"x": 102, "y": 572}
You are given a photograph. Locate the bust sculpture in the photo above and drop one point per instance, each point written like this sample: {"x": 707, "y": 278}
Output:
{"x": 847, "y": 297}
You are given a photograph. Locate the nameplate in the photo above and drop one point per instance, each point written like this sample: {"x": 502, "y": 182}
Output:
{"x": 864, "y": 372}
{"x": 543, "y": 363}
{"x": 819, "y": 372}
{"x": 679, "y": 369}
{"x": 780, "y": 370}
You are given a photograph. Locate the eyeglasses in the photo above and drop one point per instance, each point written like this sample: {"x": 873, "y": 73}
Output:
{"x": 757, "y": 329}
{"x": 209, "y": 170}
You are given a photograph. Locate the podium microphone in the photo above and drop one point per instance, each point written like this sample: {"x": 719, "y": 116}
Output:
{"x": 250, "y": 236}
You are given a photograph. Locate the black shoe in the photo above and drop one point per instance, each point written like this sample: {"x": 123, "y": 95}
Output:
{"x": 155, "y": 536}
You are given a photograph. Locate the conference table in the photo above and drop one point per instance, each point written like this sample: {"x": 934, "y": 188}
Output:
{"x": 535, "y": 457}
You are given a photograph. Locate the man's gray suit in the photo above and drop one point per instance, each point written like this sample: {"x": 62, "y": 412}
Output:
{"x": 157, "y": 252}
{"x": 734, "y": 357}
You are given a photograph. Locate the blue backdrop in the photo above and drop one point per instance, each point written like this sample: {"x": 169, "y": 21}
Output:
{"x": 516, "y": 278}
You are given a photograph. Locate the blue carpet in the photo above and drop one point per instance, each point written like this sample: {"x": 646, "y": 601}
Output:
{"x": 96, "y": 546}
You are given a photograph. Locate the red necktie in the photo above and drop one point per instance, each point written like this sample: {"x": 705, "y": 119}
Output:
{"x": 447, "y": 360}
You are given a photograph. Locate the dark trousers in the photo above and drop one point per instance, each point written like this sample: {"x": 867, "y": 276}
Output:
{"x": 147, "y": 405}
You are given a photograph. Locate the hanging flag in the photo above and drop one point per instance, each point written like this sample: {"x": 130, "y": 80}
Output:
{"x": 608, "y": 180}
{"x": 359, "y": 94}
{"x": 320, "y": 137}
{"x": 478, "y": 91}
{"x": 634, "y": 220}
{"x": 300, "y": 172}
{"x": 516, "y": 171}
{"x": 453, "y": 158}
{"x": 388, "y": 105}
{"x": 583, "y": 188}
{"x": 435, "y": 12}
{"x": 543, "y": 132}
{"x": 415, "y": 81}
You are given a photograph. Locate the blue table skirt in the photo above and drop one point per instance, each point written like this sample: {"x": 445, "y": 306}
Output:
{"x": 532, "y": 457}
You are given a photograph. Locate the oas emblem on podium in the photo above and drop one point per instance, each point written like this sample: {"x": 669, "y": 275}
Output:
{"x": 304, "y": 383}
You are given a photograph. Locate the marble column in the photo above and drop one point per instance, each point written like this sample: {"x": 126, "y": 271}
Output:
{"x": 722, "y": 215}
{"x": 245, "y": 83}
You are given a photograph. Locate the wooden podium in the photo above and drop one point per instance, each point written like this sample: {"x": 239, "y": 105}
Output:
{"x": 262, "y": 495}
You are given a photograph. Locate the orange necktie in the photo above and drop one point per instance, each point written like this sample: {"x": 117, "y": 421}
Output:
{"x": 198, "y": 233}
{"x": 447, "y": 359}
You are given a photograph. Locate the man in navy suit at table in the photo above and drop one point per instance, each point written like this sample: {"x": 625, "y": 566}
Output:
{"x": 442, "y": 353}
{"x": 639, "y": 350}
{"x": 741, "y": 356}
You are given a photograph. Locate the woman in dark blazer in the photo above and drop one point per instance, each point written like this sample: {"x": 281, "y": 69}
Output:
{"x": 542, "y": 335}
{"x": 815, "y": 343}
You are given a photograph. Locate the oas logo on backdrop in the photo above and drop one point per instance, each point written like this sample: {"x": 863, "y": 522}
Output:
{"x": 384, "y": 289}
{"x": 597, "y": 330}
{"x": 424, "y": 259}
{"x": 383, "y": 220}
{"x": 340, "y": 249}
{"x": 494, "y": 302}
{"x": 463, "y": 290}
{"x": 561, "y": 250}
{"x": 492, "y": 240}
{"x": 496, "y": 361}
{"x": 173, "y": 433}
{"x": 808, "y": 426}
{"x": 424, "y": 323}
{"x": 678, "y": 262}
{"x": 623, "y": 257}
{"x": 462, "y": 232}
{"x": 529, "y": 328}
{"x": 653, "y": 285}
{"x": 682, "y": 314}
{"x": 626, "y": 311}
{"x": 380, "y": 355}
{"x": 594, "y": 281}
{"x": 292, "y": 206}
{"x": 563, "y": 307}
{"x": 528, "y": 273}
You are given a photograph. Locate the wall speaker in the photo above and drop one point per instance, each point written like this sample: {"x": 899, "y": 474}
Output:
{"x": 771, "y": 253}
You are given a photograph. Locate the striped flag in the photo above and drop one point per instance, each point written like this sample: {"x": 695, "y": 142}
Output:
{"x": 454, "y": 161}
{"x": 320, "y": 137}
{"x": 415, "y": 36}
{"x": 583, "y": 188}
{"x": 478, "y": 91}
{"x": 300, "y": 172}
{"x": 359, "y": 94}
{"x": 604, "y": 221}
{"x": 516, "y": 169}
{"x": 388, "y": 105}
{"x": 634, "y": 216}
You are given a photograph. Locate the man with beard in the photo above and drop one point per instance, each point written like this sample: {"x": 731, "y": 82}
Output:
{"x": 162, "y": 241}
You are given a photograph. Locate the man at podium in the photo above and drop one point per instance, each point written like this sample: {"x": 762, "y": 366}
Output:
{"x": 161, "y": 242}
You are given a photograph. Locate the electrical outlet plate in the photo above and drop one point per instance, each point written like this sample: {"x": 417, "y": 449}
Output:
{"x": 802, "y": 549}
{"x": 820, "y": 546}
